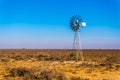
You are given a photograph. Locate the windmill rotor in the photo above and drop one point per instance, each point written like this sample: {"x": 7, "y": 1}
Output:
{"x": 75, "y": 22}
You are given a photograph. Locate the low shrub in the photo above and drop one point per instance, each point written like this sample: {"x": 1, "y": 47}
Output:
{"x": 109, "y": 61}
{"x": 49, "y": 74}
{"x": 17, "y": 57}
{"x": 21, "y": 72}
{"x": 4, "y": 60}
{"x": 73, "y": 56}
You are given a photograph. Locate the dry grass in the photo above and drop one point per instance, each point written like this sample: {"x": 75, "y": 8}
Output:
{"x": 26, "y": 64}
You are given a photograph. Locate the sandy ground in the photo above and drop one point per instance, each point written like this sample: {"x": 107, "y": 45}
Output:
{"x": 83, "y": 70}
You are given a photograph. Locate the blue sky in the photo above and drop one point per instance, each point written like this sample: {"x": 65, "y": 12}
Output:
{"x": 45, "y": 23}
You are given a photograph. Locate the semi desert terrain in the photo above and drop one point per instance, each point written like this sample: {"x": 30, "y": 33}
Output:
{"x": 59, "y": 64}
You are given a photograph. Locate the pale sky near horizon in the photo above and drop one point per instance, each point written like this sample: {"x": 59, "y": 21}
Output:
{"x": 45, "y": 23}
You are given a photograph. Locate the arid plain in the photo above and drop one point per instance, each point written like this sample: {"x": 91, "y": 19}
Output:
{"x": 59, "y": 64}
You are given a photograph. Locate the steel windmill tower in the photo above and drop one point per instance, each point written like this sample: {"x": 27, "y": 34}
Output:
{"x": 76, "y": 23}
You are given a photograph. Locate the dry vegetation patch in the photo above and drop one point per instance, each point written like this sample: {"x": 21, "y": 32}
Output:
{"x": 25, "y": 64}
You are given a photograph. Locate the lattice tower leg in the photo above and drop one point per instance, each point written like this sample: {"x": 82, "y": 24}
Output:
{"x": 77, "y": 46}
